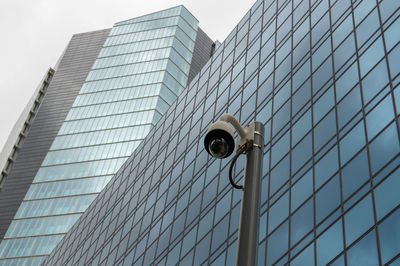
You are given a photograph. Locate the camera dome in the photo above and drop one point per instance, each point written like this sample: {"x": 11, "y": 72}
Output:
{"x": 219, "y": 141}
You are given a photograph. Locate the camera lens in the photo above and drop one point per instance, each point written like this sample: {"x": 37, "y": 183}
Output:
{"x": 218, "y": 147}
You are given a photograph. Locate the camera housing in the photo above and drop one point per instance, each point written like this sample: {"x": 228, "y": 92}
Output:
{"x": 220, "y": 140}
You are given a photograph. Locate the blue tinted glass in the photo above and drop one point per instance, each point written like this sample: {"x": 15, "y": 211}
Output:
{"x": 278, "y": 243}
{"x": 205, "y": 223}
{"x": 355, "y": 174}
{"x": 387, "y": 8}
{"x": 301, "y": 49}
{"x": 387, "y": 194}
{"x": 284, "y": 13}
{"x": 306, "y": 257}
{"x": 338, "y": 9}
{"x": 263, "y": 227}
{"x": 302, "y": 190}
{"x": 384, "y": 147}
{"x": 367, "y": 27}
{"x": 268, "y": 47}
{"x": 220, "y": 232}
{"x": 322, "y": 75}
{"x": 301, "y": 31}
{"x": 346, "y": 82}
{"x": 301, "y": 96}
{"x": 280, "y": 148}
{"x": 280, "y": 174}
{"x": 321, "y": 28}
{"x": 301, "y": 75}
{"x": 364, "y": 252}
{"x": 394, "y": 59}
{"x": 283, "y": 30}
{"x": 319, "y": 11}
{"x": 323, "y": 105}
{"x": 343, "y": 30}
{"x": 252, "y": 66}
{"x": 265, "y": 113}
{"x": 250, "y": 88}
{"x": 202, "y": 250}
{"x": 282, "y": 70}
{"x": 330, "y": 243}
{"x": 253, "y": 49}
{"x": 223, "y": 206}
{"x": 301, "y": 9}
{"x": 379, "y": 117}
{"x": 278, "y": 212}
{"x": 219, "y": 261}
{"x": 326, "y": 167}
{"x": 352, "y": 142}
{"x": 344, "y": 52}
{"x": 266, "y": 87}
{"x": 302, "y": 221}
{"x": 327, "y": 199}
{"x": 325, "y": 130}
{"x": 391, "y": 36}
{"x": 397, "y": 98}
{"x": 187, "y": 260}
{"x": 374, "y": 81}
{"x": 231, "y": 256}
{"x": 358, "y": 220}
{"x": 283, "y": 51}
{"x": 281, "y": 97}
{"x": 301, "y": 153}
{"x": 371, "y": 56}
{"x": 261, "y": 254}
{"x": 322, "y": 52}
{"x": 362, "y": 10}
{"x": 389, "y": 236}
{"x": 173, "y": 255}
{"x": 349, "y": 106}
{"x": 248, "y": 109}
{"x": 338, "y": 262}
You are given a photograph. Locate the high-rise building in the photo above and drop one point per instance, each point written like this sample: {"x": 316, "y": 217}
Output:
{"x": 323, "y": 76}
{"x": 137, "y": 70}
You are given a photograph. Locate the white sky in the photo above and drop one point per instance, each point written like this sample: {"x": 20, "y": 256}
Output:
{"x": 34, "y": 34}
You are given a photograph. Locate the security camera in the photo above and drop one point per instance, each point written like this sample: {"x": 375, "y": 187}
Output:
{"x": 220, "y": 141}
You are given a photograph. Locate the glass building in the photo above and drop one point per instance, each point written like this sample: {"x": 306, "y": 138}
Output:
{"x": 323, "y": 76}
{"x": 143, "y": 65}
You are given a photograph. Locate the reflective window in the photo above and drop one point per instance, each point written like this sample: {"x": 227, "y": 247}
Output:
{"x": 330, "y": 243}
{"x": 384, "y": 147}
{"x": 379, "y": 117}
{"x": 364, "y": 252}
{"x": 389, "y": 236}
{"x": 386, "y": 196}
{"x": 359, "y": 219}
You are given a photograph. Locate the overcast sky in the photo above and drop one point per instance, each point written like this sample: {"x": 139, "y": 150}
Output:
{"x": 34, "y": 34}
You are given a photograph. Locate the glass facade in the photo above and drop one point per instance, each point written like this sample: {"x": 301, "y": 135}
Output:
{"x": 323, "y": 76}
{"x": 141, "y": 69}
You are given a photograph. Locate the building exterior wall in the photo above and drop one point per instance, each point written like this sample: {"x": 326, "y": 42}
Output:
{"x": 203, "y": 49}
{"x": 323, "y": 77}
{"x": 142, "y": 67}
{"x": 73, "y": 69}
{"x": 20, "y": 130}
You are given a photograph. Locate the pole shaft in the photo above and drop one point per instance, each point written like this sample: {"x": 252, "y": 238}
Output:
{"x": 250, "y": 209}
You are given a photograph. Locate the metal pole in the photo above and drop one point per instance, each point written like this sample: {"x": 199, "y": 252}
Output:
{"x": 250, "y": 209}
